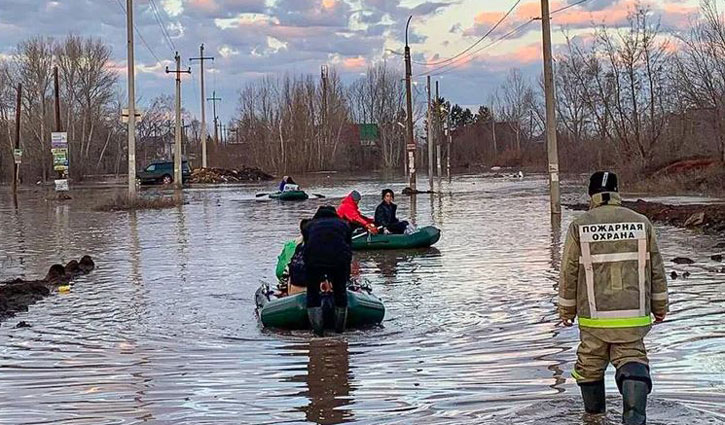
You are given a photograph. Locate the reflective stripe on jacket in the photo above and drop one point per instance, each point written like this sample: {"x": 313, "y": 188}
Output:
{"x": 612, "y": 274}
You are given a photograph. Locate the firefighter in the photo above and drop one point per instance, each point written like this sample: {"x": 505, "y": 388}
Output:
{"x": 613, "y": 279}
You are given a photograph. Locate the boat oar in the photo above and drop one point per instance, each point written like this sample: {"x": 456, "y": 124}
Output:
{"x": 365, "y": 233}
{"x": 318, "y": 195}
{"x": 260, "y": 195}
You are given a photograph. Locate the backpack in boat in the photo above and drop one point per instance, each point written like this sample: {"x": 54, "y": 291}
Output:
{"x": 297, "y": 272}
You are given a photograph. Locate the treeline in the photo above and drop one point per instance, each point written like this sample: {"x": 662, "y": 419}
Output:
{"x": 632, "y": 97}
{"x": 89, "y": 106}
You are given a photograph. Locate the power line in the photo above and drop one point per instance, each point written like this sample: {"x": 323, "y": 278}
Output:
{"x": 500, "y": 21}
{"x": 143, "y": 40}
{"x": 164, "y": 32}
{"x": 443, "y": 69}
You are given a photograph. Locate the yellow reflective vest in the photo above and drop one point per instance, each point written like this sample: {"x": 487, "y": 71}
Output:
{"x": 612, "y": 275}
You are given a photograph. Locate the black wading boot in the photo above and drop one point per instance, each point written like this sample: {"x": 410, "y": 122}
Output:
{"x": 635, "y": 384}
{"x": 317, "y": 322}
{"x": 340, "y": 319}
{"x": 594, "y": 397}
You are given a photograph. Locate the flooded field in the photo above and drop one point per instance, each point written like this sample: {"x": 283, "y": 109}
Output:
{"x": 165, "y": 332}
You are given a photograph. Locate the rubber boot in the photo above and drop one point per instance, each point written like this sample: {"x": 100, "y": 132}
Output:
{"x": 634, "y": 399}
{"x": 317, "y": 322}
{"x": 340, "y": 319}
{"x": 595, "y": 401}
{"x": 634, "y": 383}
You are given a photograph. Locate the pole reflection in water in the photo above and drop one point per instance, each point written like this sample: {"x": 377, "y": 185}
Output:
{"x": 328, "y": 382}
{"x": 413, "y": 208}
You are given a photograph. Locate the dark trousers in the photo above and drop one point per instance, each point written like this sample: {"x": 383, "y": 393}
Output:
{"x": 337, "y": 275}
{"x": 398, "y": 228}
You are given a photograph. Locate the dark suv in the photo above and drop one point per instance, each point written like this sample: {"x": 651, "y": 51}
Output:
{"x": 163, "y": 172}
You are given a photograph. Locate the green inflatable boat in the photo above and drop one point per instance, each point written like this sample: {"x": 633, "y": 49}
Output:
{"x": 290, "y": 195}
{"x": 290, "y": 312}
{"x": 423, "y": 238}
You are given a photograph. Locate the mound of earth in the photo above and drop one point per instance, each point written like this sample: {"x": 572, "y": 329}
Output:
{"x": 223, "y": 175}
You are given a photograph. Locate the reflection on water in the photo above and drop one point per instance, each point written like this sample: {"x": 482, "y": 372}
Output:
{"x": 164, "y": 331}
{"x": 327, "y": 380}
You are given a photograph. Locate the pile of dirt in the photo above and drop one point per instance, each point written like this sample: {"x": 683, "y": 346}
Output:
{"x": 224, "y": 175}
{"x": 17, "y": 294}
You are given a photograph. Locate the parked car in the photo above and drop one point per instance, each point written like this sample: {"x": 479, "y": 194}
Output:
{"x": 163, "y": 172}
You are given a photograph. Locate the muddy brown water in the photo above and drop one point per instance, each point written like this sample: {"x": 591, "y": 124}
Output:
{"x": 165, "y": 332}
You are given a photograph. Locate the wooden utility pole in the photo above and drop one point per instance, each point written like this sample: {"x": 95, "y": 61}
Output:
{"x": 214, "y": 100}
{"x": 131, "y": 102}
{"x": 552, "y": 150}
{"x": 493, "y": 134}
{"x": 177, "y": 142}
{"x": 201, "y": 60}
{"x": 438, "y": 132}
{"x": 449, "y": 133}
{"x": 16, "y": 166}
{"x": 410, "y": 145}
{"x": 430, "y": 137}
{"x": 56, "y": 92}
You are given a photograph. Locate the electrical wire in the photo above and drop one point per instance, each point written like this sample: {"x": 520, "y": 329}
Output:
{"x": 467, "y": 49}
{"x": 140, "y": 36}
{"x": 443, "y": 69}
{"x": 164, "y": 32}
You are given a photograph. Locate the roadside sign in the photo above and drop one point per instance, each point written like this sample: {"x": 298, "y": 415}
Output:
{"x": 59, "y": 139}
{"x": 60, "y": 159}
{"x": 18, "y": 156}
{"x": 61, "y": 185}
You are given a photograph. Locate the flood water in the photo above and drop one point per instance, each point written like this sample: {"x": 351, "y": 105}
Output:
{"x": 164, "y": 330}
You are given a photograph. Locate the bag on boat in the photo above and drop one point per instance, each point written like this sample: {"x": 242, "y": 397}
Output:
{"x": 291, "y": 188}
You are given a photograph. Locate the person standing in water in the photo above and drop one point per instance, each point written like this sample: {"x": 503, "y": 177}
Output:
{"x": 612, "y": 279}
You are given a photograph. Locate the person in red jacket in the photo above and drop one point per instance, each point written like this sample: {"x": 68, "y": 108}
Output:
{"x": 350, "y": 212}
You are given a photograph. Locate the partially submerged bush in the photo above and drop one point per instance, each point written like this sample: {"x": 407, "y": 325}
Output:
{"x": 145, "y": 202}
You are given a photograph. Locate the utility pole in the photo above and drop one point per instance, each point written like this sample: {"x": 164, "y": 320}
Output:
{"x": 16, "y": 168}
{"x": 214, "y": 100}
{"x": 430, "y": 137}
{"x": 552, "y": 150}
{"x": 449, "y": 133}
{"x": 493, "y": 133}
{"x": 201, "y": 60}
{"x": 131, "y": 103}
{"x": 177, "y": 142}
{"x": 438, "y": 133}
{"x": 56, "y": 91}
{"x": 410, "y": 145}
{"x": 324, "y": 75}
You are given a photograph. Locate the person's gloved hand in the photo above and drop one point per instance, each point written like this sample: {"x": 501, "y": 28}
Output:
{"x": 372, "y": 229}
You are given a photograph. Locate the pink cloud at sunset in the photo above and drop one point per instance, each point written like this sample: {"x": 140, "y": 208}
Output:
{"x": 357, "y": 63}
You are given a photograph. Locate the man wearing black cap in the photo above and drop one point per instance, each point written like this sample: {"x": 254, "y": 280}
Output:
{"x": 613, "y": 280}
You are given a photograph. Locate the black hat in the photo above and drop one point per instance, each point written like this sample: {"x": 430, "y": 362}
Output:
{"x": 325, "y": 211}
{"x": 603, "y": 181}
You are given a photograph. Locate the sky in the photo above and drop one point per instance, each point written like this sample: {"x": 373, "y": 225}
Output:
{"x": 250, "y": 39}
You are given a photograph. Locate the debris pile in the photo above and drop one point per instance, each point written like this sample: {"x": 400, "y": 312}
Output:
{"x": 224, "y": 175}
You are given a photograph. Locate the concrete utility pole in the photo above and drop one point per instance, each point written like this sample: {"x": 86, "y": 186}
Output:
{"x": 16, "y": 167}
{"x": 177, "y": 142}
{"x": 493, "y": 134}
{"x": 131, "y": 103}
{"x": 201, "y": 60}
{"x": 438, "y": 133}
{"x": 430, "y": 137}
{"x": 551, "y": 145}
{"x": 214, "y": 100}
{"x": 410, "y": 145}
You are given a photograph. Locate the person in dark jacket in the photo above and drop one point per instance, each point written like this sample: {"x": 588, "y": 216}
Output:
{"x": 385, "y": 215}
{"x": 327, "y": 254}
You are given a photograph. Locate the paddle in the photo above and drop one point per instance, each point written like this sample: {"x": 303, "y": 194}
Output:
{"x": 261, "y": 194}
{"x": 318, "y": 195}
{"x": 365, "y": 233}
